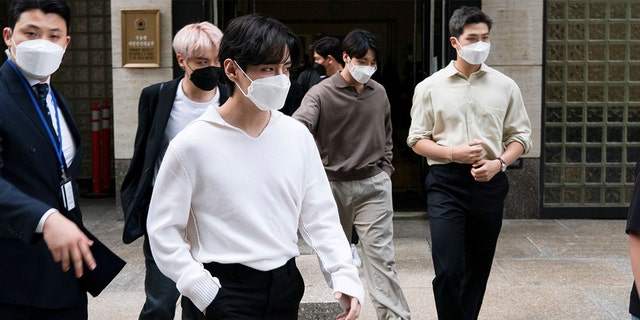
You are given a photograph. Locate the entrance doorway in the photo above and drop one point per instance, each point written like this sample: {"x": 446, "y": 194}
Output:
{"x": 412, "y": 34}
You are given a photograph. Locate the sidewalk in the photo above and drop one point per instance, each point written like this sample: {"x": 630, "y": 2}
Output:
{"x": 543, "y": 269}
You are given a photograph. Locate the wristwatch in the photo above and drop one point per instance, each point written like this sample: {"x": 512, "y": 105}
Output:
{"x": 503, "y": 164}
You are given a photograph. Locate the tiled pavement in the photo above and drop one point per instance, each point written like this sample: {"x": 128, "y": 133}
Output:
{"x": 544, "y": 269}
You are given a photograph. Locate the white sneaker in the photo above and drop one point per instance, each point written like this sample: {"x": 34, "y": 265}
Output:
{"x": 356, "y": 258}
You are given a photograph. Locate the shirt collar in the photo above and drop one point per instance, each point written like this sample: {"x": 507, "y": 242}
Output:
{"x": 212, "y": 115}
{"x": 340, "y": 82}
{"x": 33, "y": 81}
{"x": 450, "y": 70}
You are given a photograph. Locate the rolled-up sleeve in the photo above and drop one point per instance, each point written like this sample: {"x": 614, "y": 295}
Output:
{"x": 517, "y": 126}
{"x": 421, "y": 116}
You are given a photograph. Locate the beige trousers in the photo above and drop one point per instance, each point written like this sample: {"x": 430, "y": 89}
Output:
{"x": 367, "y": 204}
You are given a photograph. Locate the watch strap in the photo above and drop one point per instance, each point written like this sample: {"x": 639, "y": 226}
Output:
{"x": 504, "y": 164}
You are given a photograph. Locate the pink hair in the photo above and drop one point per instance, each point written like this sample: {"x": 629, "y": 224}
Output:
{"x": 196, "y": 39}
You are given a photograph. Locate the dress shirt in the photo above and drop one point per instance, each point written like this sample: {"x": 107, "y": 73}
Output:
{"x": 68, "y": 145}
{"x": 451, "y": 109}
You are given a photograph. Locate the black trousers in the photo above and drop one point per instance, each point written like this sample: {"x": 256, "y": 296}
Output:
{"x": 250, "y": 294}
{"x": 465, "y": 218}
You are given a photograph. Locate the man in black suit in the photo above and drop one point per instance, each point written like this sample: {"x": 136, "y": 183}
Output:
{"x": 40, "y": 158}
{"x": 165, "y": 109}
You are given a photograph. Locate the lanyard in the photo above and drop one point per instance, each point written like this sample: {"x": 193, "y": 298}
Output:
{"x": 57, "y": 145}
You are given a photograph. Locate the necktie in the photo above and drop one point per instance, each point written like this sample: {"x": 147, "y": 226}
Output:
{"x": 43, "y": 89}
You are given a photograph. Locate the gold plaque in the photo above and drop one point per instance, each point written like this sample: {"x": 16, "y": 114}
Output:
{"x": 140, "y": 38}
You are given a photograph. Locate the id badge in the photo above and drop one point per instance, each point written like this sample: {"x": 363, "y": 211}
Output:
{"x": 67, "y": 195}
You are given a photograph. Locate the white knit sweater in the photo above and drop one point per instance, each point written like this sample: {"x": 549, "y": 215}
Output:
{"x": 224, "y": 196}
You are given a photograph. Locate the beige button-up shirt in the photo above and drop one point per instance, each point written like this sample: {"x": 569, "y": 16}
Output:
{"x": 451, "y": 109}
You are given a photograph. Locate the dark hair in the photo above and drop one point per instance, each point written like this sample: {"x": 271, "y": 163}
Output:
{"x": 464, "y": 16}
{"x": 326, "y": 46}
{"x": 58, "y": 7}
{"x": 254, "y": 39}
{"x": 358, "y": 42}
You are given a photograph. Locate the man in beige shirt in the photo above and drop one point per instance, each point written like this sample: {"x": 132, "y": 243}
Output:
{"x": 470, "y": 122}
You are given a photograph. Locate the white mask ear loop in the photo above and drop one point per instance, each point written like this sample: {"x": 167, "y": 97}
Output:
{"x": 459, "y": 45}
{"x": 246, "y": 75}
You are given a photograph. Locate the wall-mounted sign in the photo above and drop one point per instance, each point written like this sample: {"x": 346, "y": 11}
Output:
{"x": 140, "y": 38}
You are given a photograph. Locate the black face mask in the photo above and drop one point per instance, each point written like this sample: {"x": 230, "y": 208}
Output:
{"x": 206, "y": 78}
{"x": 319, "y": 69}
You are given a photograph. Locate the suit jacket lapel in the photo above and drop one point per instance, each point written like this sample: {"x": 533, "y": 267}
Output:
{"x": 20, "y": 98}
{"x": 166, "y": 96}
{"x": 165, "y": 103}
{"x": 75, "y": 133}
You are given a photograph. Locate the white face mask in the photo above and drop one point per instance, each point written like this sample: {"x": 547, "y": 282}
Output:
{"x": 475, "y": 53}
{"x": 267, "y": 93}
{"x": 38, "y": 58}
{"x": 362, "y": 74}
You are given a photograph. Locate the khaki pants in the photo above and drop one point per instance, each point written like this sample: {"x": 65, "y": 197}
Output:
{"x": 367, "y": 205}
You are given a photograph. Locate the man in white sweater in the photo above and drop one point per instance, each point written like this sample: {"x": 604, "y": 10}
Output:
{"x": 238, "y": 183}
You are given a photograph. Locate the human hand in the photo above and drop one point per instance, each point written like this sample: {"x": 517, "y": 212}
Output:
{"x": 350, "y": 304}
{"x": 485, "y": 170}
{"x": 469, "y": 152}
{"x": 67, "y": 243}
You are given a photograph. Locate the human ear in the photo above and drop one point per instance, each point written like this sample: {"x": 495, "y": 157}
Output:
{"x": 230, "y": 69}
{"x": 6, "y": 34}
{"x": 181, "y": 61}
{"x": 453, "y": 42}
{"x": 345, "y": 56}
{"x": 329, "y": 59}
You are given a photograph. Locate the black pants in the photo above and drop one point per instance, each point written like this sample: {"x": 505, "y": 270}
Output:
{"x": 161, "y": 292}
{"x": 247, "y": 293}
{"x": 465, "y": 218}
